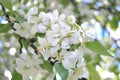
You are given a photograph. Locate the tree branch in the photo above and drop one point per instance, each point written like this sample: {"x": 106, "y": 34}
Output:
{"x": 20, "y": 41}
{"x": 30, "y": 42}
{"x": 7, "y": 16}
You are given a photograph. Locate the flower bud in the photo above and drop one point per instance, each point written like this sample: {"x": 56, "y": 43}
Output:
{"x": 71, "y": 19}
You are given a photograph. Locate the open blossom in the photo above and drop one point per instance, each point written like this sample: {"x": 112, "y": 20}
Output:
{"x": 28, "y": 28}
{"x": 46, "y": 49}
{"x": 88, "y": 31}
{"x": 74, "y": 62}
{"x": 28, "y": 66}
{"x": 58, "y": 34}
{"x": 25, "y": 29}
{"x": 47, "y": 19}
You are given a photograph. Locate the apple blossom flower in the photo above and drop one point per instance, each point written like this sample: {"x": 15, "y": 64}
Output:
{"x": 28, "y": 66}
{"x": 25, "y": 29}
{"x": 74, "y": 62}
{"x": 46, "y": 49}
{"x": 60, "y": 33}
{"x": 88, "y": 31}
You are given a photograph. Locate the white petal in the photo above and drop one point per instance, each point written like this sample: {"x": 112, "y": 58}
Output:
{"x": 67, "y": 64}
{"x": 33, "y": 10}
{"x": 25, "y": 56}
{"x": 65, "y": 43}
{"x": 41, "y": 28}
{"x": 42, "y": 42}
{"x": 17, "y": 26}
{"x": 20, "y": 62}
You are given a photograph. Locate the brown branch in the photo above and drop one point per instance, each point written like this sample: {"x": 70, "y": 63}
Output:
{"x": 82, "y": 79}
{"x": 7, "y": 16}
{"x": 110, "y": 9}
{"x": 34, "y": 47}
{"x": 31, "y": 42}
{"x": 21, "y": 45}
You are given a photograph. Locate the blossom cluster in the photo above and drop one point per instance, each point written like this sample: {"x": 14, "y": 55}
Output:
{"x": 28, "y": 66}
{"x": 62, "y": 41}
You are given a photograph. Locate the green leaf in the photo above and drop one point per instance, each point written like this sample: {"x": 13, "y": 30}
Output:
{"x": 114, "y": 22}
{"x": 25, "y": 44}
{"x": 1, "y": 12}
{"x": 64, "y": 2}
{"x": 7, "y": 4}
{"x": 87, "y": 58}
{"x": 61, "y": 71}
{"x": 46, "y": 65}
{"x": 4, "y": 28}
{"x": 97, "y": 47}
{"x": 39, "y": 34}
{"x": 99, "y": 18}
{"x": 114, "y": 69}
{"x": 25, "y": 1}
{"x": 96, "y": 60}
{"x": 74, "y": 47}
{"x": 16, "y": 75}
{"x": 92, "y": 72}
{"x": 20, "y": 18}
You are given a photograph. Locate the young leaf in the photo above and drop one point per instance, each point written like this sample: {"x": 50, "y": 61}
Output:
{"x": 25, "y": 44}
{"x": 64, "y": 2}
{"x": 16, "y": 75}
{"x": 39, "y": 34}
{"x": 7, "y": 4}
{"x": 87, "y": 58}
{"x": 4, "y": 28}
{"x": 20, "y": 18}
{"x": 92, "y": 72}
{"x": 61, "y": 71}
{"x": 114, "y": 22}
{"x": 46, "y": 65}
{"x": 97, "y": 47}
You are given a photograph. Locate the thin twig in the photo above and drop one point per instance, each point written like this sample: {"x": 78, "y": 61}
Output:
{"x": 82, "y": 79}
{"x": 21, "y": 45}
{"x": 30, "y": 42}
{"x": 34, "y": 47}
{"x": 7, "y": 16}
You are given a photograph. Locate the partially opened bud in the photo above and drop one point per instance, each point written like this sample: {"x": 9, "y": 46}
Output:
{"x": 71, "y": 19}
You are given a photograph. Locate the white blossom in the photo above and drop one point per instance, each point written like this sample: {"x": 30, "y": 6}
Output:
{"x": 65, "y": 43}
{"x": 41, "y": 28}
{"x": 33, "y": 10}
{"x": 74, "y": 62}
{"x": 61, "y": 34}
{"x": 46, "y": 49}
{"x": 25, "y": 29}
{"x": 76, "y": 37}
{"x": 88, "y": 31}
{"x": 52, "y": 37}
{"x": 28, "y": 66}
